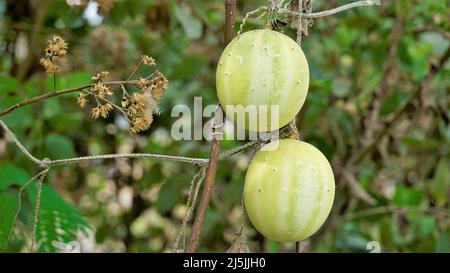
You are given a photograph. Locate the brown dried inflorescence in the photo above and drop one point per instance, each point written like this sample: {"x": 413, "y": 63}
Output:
{"x": 100, "y": 76}
{"x": 138, "y": 108}
{"x": 147, "y": 60}
{"x": 101, "y": 90}
{"x": 159, "y": 86}
{"x": 142, "y": 84}
{"x": 56, "y": 47}
{"x": 49, "y": 66}
{"x": 141, "y": 123}
{"x": 101, "y": 110}
{"x": 81, "y": 100}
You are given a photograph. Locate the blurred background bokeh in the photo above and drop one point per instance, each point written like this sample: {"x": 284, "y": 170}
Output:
{"x": 376, "y": 82}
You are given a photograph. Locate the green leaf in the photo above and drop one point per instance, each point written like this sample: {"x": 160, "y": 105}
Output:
{"x": 392, "y": 103}
{"x": 440, "y": 185}
{"x": 170, "y": 193}
{"x": 346, "y": 36}
{"x": 19, "y": 119}
{"x": 8, "y": 208}
{"x": 191, "y": 25}
{"x": 189, "y": 67}
{"x": 417, "y": 141}
{"x": 59, "y": 221}
{"x": 407, "y": 196}
{"x": 443, "y": 244}
{"x": 59, "y": 147}
{"x": 12, "y": 175}
{"x": 51, "y": 108}
{"x": 75, "y": 79}
{"x": 273, "y": 246}
{"x": 8, "y": 84}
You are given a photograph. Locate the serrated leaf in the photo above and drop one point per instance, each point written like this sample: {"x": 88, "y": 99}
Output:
{"x": 59, "y": 221}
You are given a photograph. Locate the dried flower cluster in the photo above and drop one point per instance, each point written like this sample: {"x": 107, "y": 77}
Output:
{"x": 140, "y": 110}
{"x": 56, "y": 47}
{"x": 139, "y": 107}
{"x": 159, "y": 86}
{"x": 147, "y": 60}
{"x": 101, "y": 110}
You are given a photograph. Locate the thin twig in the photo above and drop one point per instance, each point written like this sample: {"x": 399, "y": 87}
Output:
{"x": 230, "y": 9}
{"x": 24, "y": 150}
{"x": 37, "y": 208}
{"x": 331, "y": 11}
{"x": 191, "y": 202}
{"x": 110, "y": 102}
{"x": 299, "y": 22}
{"x": 135, "y": 69}
{"x": 58, "y": 93}
{"x": 19, "y": 206}
{"x": 199, "y": 161}
{"x": 248, "y": 14}
{"x": 54, "y": 83}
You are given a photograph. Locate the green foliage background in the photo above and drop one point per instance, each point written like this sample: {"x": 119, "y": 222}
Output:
{"x": 138, "y": 205}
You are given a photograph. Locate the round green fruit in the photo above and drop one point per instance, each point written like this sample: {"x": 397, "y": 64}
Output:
{"x": 289, "y": 190}
{"x": 262, "y": 68}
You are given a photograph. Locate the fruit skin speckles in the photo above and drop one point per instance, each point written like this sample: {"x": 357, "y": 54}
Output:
{"x": 271, "y": 64}
{"x": 289, "y": 190}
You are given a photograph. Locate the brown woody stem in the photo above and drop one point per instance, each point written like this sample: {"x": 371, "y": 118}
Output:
{"x": 230, "y": 8}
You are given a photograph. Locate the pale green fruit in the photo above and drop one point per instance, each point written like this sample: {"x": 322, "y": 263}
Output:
{"x": 263, "y": 67}
{"x": 289, "y": 190}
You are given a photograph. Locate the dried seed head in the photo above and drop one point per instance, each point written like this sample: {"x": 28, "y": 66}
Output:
{"x": 142, "y": 84}
{"x": 124, "y": 102}
{"x": 159, "y": 86}
{"x": 95, "y": 111}
{"x": 49, "y": 66}
{"x": 56, "y": 46}
{"x": 137, "y": 106}
{"x": 141, "y": 123}
{"x": 104, "y": 110}
{"x": 148, "y": 60}
{"x": 101, "y": 90}
{"x": 100, "y": 76}
{"x": 81, "y": 101}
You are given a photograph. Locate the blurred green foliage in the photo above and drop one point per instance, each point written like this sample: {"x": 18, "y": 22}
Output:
{"x": 138, "y": 205}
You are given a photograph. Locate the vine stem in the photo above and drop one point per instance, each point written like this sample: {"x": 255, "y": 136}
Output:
{"x": 37, "y": 207}
{"x": 230, "y": 10}
{"x": 325, "y": 13}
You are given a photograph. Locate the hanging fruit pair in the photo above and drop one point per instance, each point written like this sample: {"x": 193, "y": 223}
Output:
{"x": 289, "y": 186}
